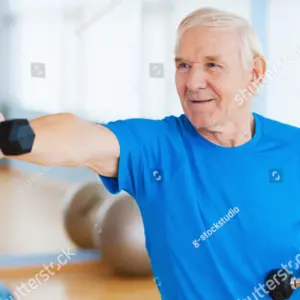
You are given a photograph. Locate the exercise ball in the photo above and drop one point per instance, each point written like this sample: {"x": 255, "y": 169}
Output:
{"x": 81, "y": 208}
{"x": 120, "y": 238}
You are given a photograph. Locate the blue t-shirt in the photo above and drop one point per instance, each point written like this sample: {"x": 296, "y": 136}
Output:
{"x": 216, "y": 219}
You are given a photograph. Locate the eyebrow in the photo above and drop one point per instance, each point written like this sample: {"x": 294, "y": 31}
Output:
{"x": 213, "y": 58}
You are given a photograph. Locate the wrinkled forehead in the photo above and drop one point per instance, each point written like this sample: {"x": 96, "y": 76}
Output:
{"x": 202, "y": 42}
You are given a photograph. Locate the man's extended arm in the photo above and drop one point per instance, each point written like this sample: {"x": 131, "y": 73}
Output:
{"x": 66, "y": 140}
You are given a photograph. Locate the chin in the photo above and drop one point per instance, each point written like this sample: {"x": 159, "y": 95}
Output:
{"x": 199, "y": 121}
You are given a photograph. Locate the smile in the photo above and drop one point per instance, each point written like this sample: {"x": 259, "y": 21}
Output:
{"x": 200, "y": 101}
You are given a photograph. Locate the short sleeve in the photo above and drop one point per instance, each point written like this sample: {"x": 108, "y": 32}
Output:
{"x": 137, "y": 139}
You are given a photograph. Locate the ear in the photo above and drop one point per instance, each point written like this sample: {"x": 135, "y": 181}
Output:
{"x": 259, "y": 70}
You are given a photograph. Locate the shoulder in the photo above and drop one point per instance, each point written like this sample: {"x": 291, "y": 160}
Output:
{"x": 279, "y": 131}
{"x": 274, "y": 127}
{"x": 146, "y": 125}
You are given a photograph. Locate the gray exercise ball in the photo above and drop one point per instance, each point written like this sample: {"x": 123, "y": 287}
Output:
{"x": 120, "y": 238}
{"x": 81, "y": 208}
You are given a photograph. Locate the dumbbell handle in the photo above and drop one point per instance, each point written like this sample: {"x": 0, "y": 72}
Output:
{"x": 295, "y": 283}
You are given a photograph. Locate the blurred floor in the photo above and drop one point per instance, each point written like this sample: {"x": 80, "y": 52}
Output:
{"x": 31, "y": 223}
{"x": 78, "y": 285}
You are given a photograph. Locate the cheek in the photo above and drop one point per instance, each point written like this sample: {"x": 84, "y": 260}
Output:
{"x": 218, "y": 87}
{"x": 180, "y": 85}
{"x": 225, "y": 88}
{"x": 181, "y": 90}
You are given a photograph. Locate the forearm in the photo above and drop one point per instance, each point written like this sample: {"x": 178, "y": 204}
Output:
{"x": 57, "y": 141}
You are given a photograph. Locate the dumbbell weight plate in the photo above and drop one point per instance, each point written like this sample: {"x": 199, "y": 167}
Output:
{"x": 16, "y": 137}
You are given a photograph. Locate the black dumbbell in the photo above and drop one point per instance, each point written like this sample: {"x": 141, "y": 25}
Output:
{"x": 283, "y": 288}
{"x": 16, "y": 137}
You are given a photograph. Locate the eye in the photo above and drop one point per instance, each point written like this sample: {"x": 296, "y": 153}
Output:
{"x": 183, "y": 65}
{"x": 212, "y": 65}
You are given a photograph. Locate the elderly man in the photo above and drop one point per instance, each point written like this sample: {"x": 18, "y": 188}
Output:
{"x": 218, "y": 186}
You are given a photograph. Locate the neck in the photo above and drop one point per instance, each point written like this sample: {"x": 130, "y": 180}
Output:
{"x": 231, "y": 133}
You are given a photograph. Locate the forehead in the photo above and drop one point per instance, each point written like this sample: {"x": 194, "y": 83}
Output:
{"x": 198, "y": 42}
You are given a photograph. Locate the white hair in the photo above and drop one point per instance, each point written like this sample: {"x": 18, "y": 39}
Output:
{"x": 224, "y": 20}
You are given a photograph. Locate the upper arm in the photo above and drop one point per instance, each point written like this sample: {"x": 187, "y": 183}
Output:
{"x": 138, "y": 144}
{"x": 104, "y": 151}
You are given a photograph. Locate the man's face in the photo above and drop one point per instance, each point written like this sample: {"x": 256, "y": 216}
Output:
{"x": 209, "y": 76}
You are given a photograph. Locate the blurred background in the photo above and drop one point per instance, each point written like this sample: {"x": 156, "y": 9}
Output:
{"x": 111, "y": 59}
{"x": 106, "y": 60}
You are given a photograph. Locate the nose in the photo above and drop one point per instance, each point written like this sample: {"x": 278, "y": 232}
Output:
{"x": 197, "y": 80}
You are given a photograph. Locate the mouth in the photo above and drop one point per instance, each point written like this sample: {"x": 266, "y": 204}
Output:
{"x": 200, "y": 101}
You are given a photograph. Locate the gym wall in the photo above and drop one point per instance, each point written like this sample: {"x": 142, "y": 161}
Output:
{"x": 282, "y": 89}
